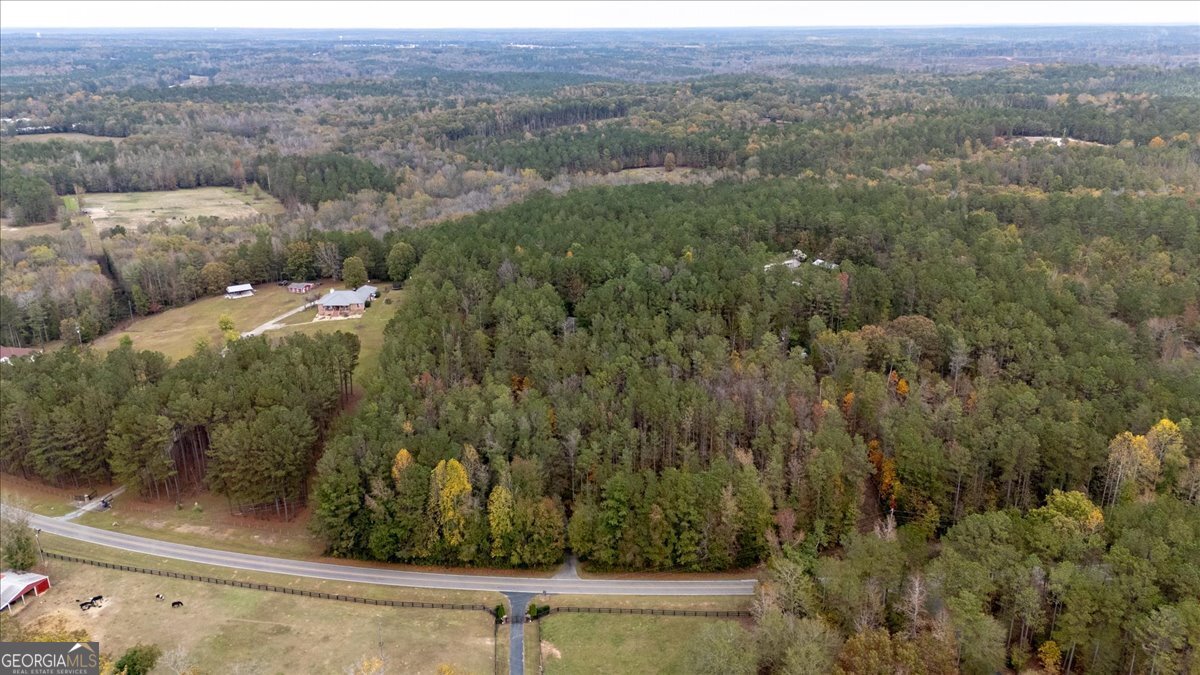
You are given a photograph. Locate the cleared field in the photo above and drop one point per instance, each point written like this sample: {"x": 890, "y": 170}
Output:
{"x": 175, "y": 331}
{"x": 368, "y": 328}
{"x": 42, "y": 499}
{"x": 15, "y": 233}
{"x": 223, "y": 629}
{"x": 211, "y": 525}
{"x": 601, "y": 643}
{"x": 62, "y": 136}
{"x": 133, "y": 209}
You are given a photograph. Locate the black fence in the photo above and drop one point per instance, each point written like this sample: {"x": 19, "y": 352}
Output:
{"x": 711, "y": 613}
{"x": 268, "y": 587}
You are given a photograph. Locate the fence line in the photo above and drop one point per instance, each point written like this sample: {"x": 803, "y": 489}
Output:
{"x": 267, "y": 587}
{"x": 711, "y": 613}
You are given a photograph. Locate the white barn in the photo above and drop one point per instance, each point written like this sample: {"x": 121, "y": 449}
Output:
{"x": 239, "y": 291}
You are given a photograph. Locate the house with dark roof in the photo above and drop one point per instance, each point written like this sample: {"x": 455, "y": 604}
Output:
{"x": 341, "y": 304}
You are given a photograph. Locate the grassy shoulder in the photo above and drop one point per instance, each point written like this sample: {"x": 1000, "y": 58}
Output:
{"x": 205, "y": 520}
{"x": 688, "y": 602}
{"x": 43, "y": 500}
{"x": 606, "y": 643}
{"x": 223, "y": 629}
{"x": 65, "y": 546}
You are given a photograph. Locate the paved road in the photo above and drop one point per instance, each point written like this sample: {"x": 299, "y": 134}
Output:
{"x": 519, "y": 602}
{"x": 388, "y": 577}
{"x": 274, "y": 323}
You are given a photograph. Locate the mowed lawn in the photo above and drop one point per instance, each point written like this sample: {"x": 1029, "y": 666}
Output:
{"x": 205, "y": 520}
{"x": 223, "y": 629}
{"x": 133, "y": 209}
{"x": 611, "y": 643}
{"x": 368, "y": 328}
{"x": 175, "y": 331}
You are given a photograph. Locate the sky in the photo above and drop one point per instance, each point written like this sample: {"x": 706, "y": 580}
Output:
{"x": 592, "y": 14}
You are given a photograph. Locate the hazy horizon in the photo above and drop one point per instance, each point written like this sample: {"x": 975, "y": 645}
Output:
{"x": 596, "y": 15}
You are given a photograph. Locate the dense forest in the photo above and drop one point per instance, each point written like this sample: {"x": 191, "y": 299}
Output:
{"x": 905, "y": 322}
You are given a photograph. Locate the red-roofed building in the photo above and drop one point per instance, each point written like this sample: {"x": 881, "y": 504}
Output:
{"x": 7, "y": 354}
{"x": 17, "y": 585}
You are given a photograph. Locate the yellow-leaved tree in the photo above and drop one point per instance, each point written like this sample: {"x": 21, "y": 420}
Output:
{"x": 449, "y": 496}
{"x": 402, "y": 461}
{"x": 500, "y": 521}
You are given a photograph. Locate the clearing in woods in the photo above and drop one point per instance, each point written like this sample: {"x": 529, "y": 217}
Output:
{"x": 221, "y": 629}
{"x": 369, "y": 327}
{"x": 175, "y": 331}
{"x": 62, "y": 136}
{"x": 133, "y": 209}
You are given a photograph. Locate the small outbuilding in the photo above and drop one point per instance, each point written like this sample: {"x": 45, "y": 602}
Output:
{"x": 16, "y": 585}
{"x": 9, "y": 354}
{"x": 239, "y": 291}
{"x": 301, "y": 287}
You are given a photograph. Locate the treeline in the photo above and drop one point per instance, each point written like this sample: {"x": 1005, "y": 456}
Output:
{"x": 245, "y": 421}
{"x": 613, "y": 148}
{"x": 489, "y": 122}
{"x": 1061, "y": 588}
{"x": 26, "y": 199}
{"x": 51, "y": 288}
{"x": 318, "y": 178}
{"x": 629, "y": 344}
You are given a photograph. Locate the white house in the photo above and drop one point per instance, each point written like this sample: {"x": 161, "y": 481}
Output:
{"x": 239, "y": 291}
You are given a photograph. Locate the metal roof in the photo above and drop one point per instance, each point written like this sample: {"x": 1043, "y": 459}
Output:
{"x": 341, "y": 299}
{"x": 13, "y": 585}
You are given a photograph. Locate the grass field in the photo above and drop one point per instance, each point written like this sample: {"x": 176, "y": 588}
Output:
{"x": 603, "y": 643}
{"x": 175, "y": 331}
{"x": 61, "y": 136}
{"x": 42, "y": 499}
{"x": 212, "y": 525}
{"x": 45, "y": 229}
{"x": 133, "y": 209}
{"x": 223, "y": 629}
{"x": 714, "y": 602}
{"x": 369, "y": 327}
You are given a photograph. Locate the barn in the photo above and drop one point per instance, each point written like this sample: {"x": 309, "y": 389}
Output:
{"x": 16, "y": 585}
{"x": 239, "y": 291}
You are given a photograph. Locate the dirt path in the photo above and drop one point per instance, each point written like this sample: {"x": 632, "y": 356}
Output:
{"x": 274, "y": 323}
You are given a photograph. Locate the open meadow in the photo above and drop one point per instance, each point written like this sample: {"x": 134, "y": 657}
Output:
{"x": 175, "y": 331}
{"x": 71, "y": 136}
{"x": 133, "y": 209}
{"x": 221, "y": 629}
{"x": 607, "y": 643}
